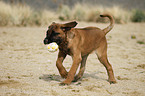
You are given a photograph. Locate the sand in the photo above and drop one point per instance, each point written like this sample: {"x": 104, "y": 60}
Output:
{"x": 28, "y": 69}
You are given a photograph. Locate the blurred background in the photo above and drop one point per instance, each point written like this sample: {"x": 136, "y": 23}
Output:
{"x": 43, "y": 12}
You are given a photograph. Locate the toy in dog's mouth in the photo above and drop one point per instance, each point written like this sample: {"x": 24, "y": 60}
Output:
{"x": 52, "y": 47}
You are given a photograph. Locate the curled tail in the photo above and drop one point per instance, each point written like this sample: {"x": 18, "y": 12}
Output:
{"x": 107, "y": 29}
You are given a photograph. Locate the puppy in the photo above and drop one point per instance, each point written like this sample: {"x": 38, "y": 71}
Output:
{"x": 79, "y": 43}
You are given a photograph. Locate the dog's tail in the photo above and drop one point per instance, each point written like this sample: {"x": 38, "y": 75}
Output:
{"x": 106, "y": 30}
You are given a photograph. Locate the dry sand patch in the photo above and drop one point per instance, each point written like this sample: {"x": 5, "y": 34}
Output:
{"x": 28, "y": 69}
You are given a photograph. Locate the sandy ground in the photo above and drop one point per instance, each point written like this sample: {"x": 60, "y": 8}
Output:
{"x": 28, "y": 69}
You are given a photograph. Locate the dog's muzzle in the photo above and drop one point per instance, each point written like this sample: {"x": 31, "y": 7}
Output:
{"x": 46, "y": 41}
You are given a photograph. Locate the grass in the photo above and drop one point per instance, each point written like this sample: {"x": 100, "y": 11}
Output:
{"x": 121, "y": 15}
{"x": 14, "y": 15}
{"x": 18, "y": 15}
{"x": 78, "y": 12}
{"x": 138, "y": 16}
{"x": 64, "y": 13}
{"x": 83, "y": 12}
{"x": 140, "y": 42}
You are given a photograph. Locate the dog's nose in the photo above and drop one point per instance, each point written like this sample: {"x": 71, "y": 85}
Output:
{"x": 45, "y": 41}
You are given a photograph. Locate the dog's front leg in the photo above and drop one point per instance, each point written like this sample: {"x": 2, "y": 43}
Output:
{"x": 61, "y": 68}
{"x": 76, "y": 61}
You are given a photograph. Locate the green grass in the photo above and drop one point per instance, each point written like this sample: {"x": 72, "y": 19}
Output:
{"x": 138, "y": 16}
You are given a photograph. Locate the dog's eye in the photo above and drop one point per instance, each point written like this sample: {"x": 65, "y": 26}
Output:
{"x": 56, "y": 33}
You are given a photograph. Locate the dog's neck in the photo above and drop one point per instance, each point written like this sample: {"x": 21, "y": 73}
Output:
{"x": 63, "y": 46}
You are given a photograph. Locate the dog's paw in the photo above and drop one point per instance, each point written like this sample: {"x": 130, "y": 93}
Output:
{"x": 63, "y": 84}
{"x": 112, "y": 81}
{"x": 75, "y": 79}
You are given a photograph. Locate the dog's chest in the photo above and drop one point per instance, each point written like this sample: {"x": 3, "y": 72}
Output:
{"x": 65, "y": 48}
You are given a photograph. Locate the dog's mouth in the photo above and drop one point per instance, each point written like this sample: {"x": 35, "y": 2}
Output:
{"x": 58, "y": 41}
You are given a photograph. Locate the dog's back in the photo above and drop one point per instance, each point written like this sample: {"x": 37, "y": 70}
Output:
{"x": 89, "y": 38}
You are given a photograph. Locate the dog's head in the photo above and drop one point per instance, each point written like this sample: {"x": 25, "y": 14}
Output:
{"x": 57, "y": 32}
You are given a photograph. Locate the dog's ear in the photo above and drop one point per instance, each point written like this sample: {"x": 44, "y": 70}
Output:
{"x": 70, "y": 24}
{"x": 67, "y": 26}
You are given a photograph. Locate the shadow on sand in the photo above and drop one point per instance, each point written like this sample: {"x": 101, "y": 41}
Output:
{"x": 53, "y": 77}
{"x": 49, "y": 77}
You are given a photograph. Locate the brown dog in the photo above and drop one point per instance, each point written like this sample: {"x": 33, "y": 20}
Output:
{"x": 79, "y": 43}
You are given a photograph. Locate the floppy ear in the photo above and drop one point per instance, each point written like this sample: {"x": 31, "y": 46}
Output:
{"x": 70, "y": 24}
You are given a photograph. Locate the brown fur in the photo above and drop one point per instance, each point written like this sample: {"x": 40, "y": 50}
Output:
{"x": 79, "y": 43}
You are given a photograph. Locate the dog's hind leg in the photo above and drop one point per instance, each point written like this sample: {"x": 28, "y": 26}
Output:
{"x": 61, "y": 68}
{"x": 102, "y": 56}
{"x": 82, "y": 68}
